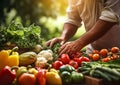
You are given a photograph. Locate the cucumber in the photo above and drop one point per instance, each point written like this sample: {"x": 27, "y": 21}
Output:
{"x": 87, "y": 64}
{"x": 108, "y": 70}
{"x": 92, "y": 72}
{"x": 118, "y": 69}
{"x": 113, "y": 77}
{"x": 83, "y": 69}
{"x": 102, "y": 75}
{"x": 116, "y": 72}
{"x": 114, "y": 66}
{"x": 96, "y": 75}
{"x": 85, "y": 72}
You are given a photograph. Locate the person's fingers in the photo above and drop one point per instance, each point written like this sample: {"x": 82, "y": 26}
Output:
{"x": 62, "y": 42}
{"x": 53, "y": 42}
{"x": 48, "y": 43}
{"x": 65, "y": 50}
{"x": 62, "y": 47}
{"x": 68, "y": 48}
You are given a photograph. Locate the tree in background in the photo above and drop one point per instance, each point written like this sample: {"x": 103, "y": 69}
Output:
{"x": 30, "y": 11}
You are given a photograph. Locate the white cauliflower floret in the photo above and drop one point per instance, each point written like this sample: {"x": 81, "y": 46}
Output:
{"x": 47, "y": 54}
{"x": 41, "y": 62}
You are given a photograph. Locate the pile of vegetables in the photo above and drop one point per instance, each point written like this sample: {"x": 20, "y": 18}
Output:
{"x": 37, "y": 69}
{"x": 105, "y": 64}
{"x": 29, "y": 76}
{"x": 105, "y": 55}
{"x": 70, "y": 75}
{"x": 23, "y": 37}
{"x": 108, "y": 71}
{"x": 44, "y": 67}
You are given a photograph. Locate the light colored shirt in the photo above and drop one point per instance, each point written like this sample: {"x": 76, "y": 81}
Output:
{"x": 89, "y": 11}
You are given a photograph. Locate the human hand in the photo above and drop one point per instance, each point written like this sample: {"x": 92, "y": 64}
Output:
{"x": 53, "y": 41}
{"x": 70, "y": 48}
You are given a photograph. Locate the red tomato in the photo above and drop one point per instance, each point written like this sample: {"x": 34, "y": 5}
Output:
{"x": 95, "y": 51}
{"x": 107, "y": 59}
{"x": 103, "y": 52}
{"x": 115, "y": 56}
{"x": 115, "y": 49}
{"x": 76, "y": 55}
{"x": 65, "y": 58}
{"x": 90, "y": 55}
{"x": 57, "y": 64}
{"x": 75, "y": 59}
{"x": 73, "y": 64}
{"x": 95, "y": 57}
{"x": 81, "y": 59}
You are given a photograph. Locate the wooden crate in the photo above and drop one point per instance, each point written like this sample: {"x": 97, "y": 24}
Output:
{"x": 95, "y": 81}
{"x": 92, "y": 81}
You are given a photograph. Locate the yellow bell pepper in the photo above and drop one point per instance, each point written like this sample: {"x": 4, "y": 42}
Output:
{"x": 33, "y": 71}
{"x": 13, "y": 60}
{"x": 3, "y": 58}
{"x": 53, "y": 78}
{"x": 9, "y": 58}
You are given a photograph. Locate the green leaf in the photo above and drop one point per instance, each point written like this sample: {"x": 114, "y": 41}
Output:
{"x": 17, "y": 32}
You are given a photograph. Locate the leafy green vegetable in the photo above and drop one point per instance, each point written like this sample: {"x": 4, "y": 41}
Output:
{"x": 23, "y": 37}
{"x": 55, "y": 51}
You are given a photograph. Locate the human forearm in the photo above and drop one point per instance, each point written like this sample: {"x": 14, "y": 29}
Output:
{"x": 68, "y": 31}
{"x": 98, "y": 30}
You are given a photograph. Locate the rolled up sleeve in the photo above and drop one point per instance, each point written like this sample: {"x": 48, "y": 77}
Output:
{"x": 73, "y": 16}
{"x": 111, "y": 11}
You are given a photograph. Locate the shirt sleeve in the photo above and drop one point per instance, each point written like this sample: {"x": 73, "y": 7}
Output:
{"x": 111, "y": 11}
{"x": 73, "y": 16}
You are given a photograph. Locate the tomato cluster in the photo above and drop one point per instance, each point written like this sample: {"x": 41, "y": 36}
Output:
{"x": 75, "y": 61}
{"x": 105, "y": 55}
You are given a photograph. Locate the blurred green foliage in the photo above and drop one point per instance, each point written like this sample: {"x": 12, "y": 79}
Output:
{"x": 38, "y": 12}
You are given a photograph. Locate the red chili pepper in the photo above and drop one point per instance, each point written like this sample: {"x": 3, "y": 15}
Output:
{"x": 41, "y": 76}
{"x": 7, "y": 76}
